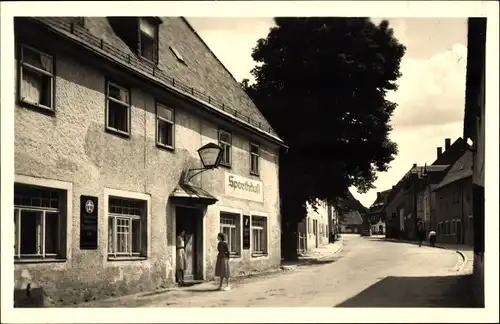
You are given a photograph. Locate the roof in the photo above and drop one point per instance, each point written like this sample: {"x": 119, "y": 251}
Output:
{"x": 379, "y": 202}
{"x": 461, "y": 169}
{"x": 190, "y": 192}
{"x": 351, "y": 218}
{"x": 452, "y": 153}
{"x": 202, "y": 76}
{"x": 349, "y": 203}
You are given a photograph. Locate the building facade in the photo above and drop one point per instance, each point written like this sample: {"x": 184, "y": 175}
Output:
{"x": 110, "y": 114}
{"x": 474, "y": 130}
{"x": 313, "y": 231}
{"x": 454, "y": 211}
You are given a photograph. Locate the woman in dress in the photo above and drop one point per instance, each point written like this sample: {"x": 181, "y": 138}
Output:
{"x": 180, "y": 264}
{"x": 222, "y": 264}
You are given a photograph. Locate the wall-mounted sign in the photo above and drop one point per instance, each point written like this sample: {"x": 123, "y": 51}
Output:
{"x": 88, "y": 223}
{"x": 243, "y": 188}
{"x": 246, "y": 232}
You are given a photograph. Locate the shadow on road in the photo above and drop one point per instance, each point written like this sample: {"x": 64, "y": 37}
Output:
{"x": 443, "y": 291}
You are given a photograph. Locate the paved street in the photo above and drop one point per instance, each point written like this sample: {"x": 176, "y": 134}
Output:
{"x": 367, "y": 272}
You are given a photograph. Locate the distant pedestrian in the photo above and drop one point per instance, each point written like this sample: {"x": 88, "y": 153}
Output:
{"x": 432, "y": 237}
{"x": 420, "y": 234}
{"x": 222, "y": 264}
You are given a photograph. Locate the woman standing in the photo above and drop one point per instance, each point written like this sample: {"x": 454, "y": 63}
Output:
{"x": 222, "y": 264}
{"x": 180, "y": 264}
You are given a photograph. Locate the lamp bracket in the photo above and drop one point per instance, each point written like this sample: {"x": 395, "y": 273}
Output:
{"x": 191, "y": 173}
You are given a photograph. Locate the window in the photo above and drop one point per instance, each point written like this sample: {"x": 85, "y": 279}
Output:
{"x": 36, "y": 78}
{"x": 177, "y": 55}
{"x": 225, "y": 142}
{"x": 118, "y": 110}
{"x": 127, "y": 231}
{"x": 254, "y": 158}
{"x": 309, "y": 225}
{"x": 165, "y": 126}
{"x": 148, "y": 40}
{"x": 230, "y": 227}
{"x": 259, "y": 235}
{"x": 39, "y": 223}
{"x": 315, "y": 226}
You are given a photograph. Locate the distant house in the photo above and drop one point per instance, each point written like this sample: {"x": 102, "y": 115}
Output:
{"x": 350, "y": 214}
{"x": 376, "y": 214}
{"x": 454, "y": 203}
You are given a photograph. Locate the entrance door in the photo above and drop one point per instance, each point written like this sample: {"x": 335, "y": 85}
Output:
{"x": 188, "y": 219}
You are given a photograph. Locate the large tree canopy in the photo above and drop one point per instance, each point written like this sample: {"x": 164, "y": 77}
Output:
{"x": 321, "y": 83}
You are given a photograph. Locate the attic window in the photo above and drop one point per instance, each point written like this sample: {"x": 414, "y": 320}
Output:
{"x": 177, "y": 55}
{"x": 148, "y": 40}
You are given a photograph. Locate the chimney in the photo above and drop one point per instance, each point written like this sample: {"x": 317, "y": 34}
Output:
{"x": 439, "y": 152}
{"x": 447, "y": 143}
{"x": 414, "y": 165}
{"x": 378, "y": 195}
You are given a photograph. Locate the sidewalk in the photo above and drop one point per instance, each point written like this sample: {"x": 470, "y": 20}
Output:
{"x": 467, "y": 252}
{"x": 322, "y": 254}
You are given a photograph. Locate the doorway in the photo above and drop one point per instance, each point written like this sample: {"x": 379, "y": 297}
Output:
{"x": 190, "y": 220}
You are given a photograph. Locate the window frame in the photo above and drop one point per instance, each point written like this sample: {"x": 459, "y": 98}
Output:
{"x": 65, "y": 218}
{"x": 255, "y": 156}
{"x": 238, "y": 229}
{"x": 223, "y": 145}
{"x": 141, "y": 34}
{"x": 129, "y": 109}
{"x": 145, "y": 223}
{"x": 52, "y": 75}
{"x": 159, "y": 120}
{"x": 264, "y": 231}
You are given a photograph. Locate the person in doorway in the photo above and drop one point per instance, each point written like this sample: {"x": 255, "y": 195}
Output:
{"x": 222, "y": 264}
{"x": 432, "y": 237}
{"x": 180, "y": 264}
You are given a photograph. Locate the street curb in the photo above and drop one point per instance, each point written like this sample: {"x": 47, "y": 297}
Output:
{"x": 464, "y": 261}
{"x": 309, "y": 262}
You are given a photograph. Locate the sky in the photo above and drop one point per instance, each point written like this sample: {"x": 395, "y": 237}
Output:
{"x": 431, "y": 95}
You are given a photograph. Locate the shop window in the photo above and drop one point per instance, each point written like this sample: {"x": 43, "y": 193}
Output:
{"x": 165, "y": 126}
{"x": 259, "y": 235}
{"x": 127, "y": 230}
{"x": 225, "y": 142}
{"x": 230, "y": 227}
{"x": 254, "y": 158}
{"x": 39, "y": 223}
{"x": 36, "y": 76}
{"x": 118, "y": 109}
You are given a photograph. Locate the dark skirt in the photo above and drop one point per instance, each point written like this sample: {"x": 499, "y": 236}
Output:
{"x": 222, "y": 267}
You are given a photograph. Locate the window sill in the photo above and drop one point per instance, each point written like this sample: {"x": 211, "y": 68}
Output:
{"x": 117, "y": 132}
{"x": 127, "y": 258}
{"x": 227, "y": 166}
{"x": 34, "y": 105}
{"x": 27, "y": 261}
{"x": 165, "y": 147}
{"x": 259, "y": 255}
{"x": 255, "y": 174}
{"x": 234, "y": 256}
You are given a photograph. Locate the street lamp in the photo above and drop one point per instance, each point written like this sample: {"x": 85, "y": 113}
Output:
{"x": 210, "y": 156}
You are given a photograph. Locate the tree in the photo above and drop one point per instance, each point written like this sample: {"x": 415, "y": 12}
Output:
{"x": 322, "y": 83}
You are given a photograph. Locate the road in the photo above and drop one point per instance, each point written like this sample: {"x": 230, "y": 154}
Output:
{"x": 368, "y": 272}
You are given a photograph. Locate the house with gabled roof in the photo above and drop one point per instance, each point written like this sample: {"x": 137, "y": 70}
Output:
{"x": 454, "y": 210}
{"x": 110, "y": 113}
{"x": 375, "y": 215}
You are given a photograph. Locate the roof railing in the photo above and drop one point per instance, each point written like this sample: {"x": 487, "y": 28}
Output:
{"x": 149, "y": 69}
